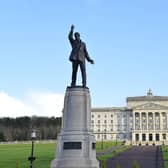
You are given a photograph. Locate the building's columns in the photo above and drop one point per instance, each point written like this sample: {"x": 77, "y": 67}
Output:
{"x": 167, "y": 120}
{"x": 144, "y": 118}
{"x": 133, "y": 137}
{"x": 147, "y": 137}
{"x": 166, "y": 136}
{"x": 153, "y": 136}
{"x": 150, "y": 120}
{"x": 140, "y": 120}
{"x": 147, "y": 120}
{"x": 140, "y": 137}
{"x": 161, "y": 121}
{"x": 154, "y": 121}
{"x": 160, "y": 136}
{"x": 133, "y": 119}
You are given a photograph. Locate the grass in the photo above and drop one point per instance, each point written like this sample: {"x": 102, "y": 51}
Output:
{"x": 165, "y": 155}
{"x": 102, "y": 145}
{"x": 114, "y": 153}
{"x": 16, "y": 155}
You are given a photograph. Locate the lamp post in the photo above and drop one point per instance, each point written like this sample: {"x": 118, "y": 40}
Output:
{"x": 32, "y": 157}
{"x": 102, "y": 142}
{"x": 116, "y": 140}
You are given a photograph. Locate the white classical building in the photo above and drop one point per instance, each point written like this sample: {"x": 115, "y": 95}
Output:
{"x": 144, "y": 121}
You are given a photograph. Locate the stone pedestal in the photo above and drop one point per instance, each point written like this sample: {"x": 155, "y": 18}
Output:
{"x": 76, "y": 143}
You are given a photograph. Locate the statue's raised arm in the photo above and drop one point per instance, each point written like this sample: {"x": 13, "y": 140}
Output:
{"x": 70, "y": 36}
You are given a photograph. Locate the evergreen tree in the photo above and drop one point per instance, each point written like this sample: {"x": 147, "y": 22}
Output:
{"x": 2, "y": 137}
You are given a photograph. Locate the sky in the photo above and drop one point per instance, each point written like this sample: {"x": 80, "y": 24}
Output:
{"x": 127, "y": 40}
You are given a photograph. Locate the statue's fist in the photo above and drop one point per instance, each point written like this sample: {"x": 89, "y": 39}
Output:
{"x": 72, "y": 27}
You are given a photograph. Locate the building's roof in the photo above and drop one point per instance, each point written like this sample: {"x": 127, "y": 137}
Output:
{"x": 148, "y": 97}
{"x": 150, "y": 106}
{"x": 108, "y": 109}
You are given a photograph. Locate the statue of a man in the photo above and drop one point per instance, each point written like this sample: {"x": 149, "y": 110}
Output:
{"x": 77, "y": 56}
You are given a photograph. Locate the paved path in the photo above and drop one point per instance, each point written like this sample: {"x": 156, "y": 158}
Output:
{"x": 146, "y": 156}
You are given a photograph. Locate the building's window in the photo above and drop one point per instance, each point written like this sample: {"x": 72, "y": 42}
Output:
{"x": 92, "y": 121}
{"x": 105, "y": 121}
{"x": 111, "y": 136}
{"x": 98, "y": 130}
{"x": 144, "y": 127}
{"x": 98, "y": 121}
{"x": 157, "y": 137}
{"x": 105, "y": 130}
{"x": 111, "y": 121}
{"x": 150, "y": 137}
{"x": 98, "y": 116}
{"x": 98, "y": 136}
{"x": 111, "y": 115}
{"x": 164, "y": 136}
{"x": 137, "y": 137}
{"x": 164, "y": 126}
{"x": 105, "y": 137}
{"x": 157, "y": 127}
{"x": 111, "y": 129}
{"x": 143, "y": 137}
{"x": 92, "y": 116}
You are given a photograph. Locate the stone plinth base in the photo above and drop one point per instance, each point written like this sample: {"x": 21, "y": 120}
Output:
{"x": 76, "y": 143}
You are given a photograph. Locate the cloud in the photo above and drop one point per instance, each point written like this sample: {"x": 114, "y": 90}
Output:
{"x": 46, "y": 103}
{"x": 34, "y": 103}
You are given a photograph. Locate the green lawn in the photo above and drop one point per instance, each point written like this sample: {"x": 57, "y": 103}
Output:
{"x": 165, "y": 155}
{"x": 15, "y": 155}
{"x": 106, "y": 144}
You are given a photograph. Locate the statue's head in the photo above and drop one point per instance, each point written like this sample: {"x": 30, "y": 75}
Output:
{"x": 77, "y": 36}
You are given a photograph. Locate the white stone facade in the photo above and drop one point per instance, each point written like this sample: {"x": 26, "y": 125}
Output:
{"x": 144, "y": 121}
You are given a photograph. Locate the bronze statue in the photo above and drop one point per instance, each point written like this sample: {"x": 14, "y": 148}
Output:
{"x": 77, "y": 56}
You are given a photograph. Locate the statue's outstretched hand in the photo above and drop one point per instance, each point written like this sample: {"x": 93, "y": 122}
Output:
{"x": 92, "y": 61}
